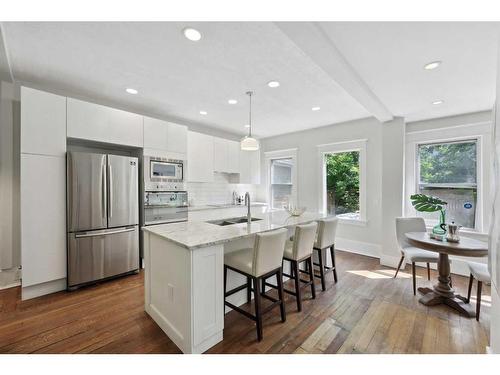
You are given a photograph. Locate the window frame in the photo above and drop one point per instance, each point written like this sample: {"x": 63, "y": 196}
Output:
{"x": 481, "y": 131}
{"x": 358, "y": 145}
{"x": 276, "y": 155}
{"x": 476, "y": 140}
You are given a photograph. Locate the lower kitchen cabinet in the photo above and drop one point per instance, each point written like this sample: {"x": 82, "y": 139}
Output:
{"x": 43, "y": 224}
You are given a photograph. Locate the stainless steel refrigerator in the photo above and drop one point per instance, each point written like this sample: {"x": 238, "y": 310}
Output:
{"x": 103, "y": 207}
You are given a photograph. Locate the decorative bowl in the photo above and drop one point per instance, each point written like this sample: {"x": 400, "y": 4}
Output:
{"x": 296, "y": 211}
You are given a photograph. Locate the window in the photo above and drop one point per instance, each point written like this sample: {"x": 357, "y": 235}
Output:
{"x": 342, "y": 191}
{"x": 449, "y": 171}
{"x": 342, "y": 184}
{"x": 281, "y": 182}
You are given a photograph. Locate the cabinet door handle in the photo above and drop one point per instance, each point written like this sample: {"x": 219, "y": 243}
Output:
{"x": 84, "y": 235}
{"x": 110, "y": 197}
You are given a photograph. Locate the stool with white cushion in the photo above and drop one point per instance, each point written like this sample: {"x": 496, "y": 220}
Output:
{"x": 257, "y": 264}
{"x": 327, "y": 228}
{"x": 298, "y": 251}
{"x": 478, "y": 271}
{"x": 410, "y": 252}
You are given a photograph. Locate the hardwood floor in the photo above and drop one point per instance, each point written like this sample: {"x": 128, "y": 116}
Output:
{"x": 367, "y": 311}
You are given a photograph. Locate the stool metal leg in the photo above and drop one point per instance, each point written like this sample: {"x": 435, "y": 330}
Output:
{"x": 321, "y": 269}
{"x": 295, "y": 266}
{"x": 258, "y": 308}
{"x": 332, "y": 253}
{"x": 469, "y": 290}
{"x": 309, "y": 263}
{"x": 279, "y": 279}
{"x": 249, "y": 289}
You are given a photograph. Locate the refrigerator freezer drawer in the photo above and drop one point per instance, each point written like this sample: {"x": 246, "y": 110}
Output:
{"x": 100, "y": 254}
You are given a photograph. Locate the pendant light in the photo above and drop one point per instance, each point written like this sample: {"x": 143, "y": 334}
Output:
{"x": 248, "y": 143}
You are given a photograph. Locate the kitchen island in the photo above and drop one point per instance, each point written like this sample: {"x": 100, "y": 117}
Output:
{"x": 184, "y": 270}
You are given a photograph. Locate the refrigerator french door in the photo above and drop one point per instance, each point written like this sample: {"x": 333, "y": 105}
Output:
{"x": 103, "y": 216}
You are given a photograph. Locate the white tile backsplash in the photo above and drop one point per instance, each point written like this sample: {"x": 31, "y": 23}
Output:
{"x": 218, "y": 192}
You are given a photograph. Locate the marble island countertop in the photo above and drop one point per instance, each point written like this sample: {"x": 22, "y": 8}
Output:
{"x": 197, "y": 232}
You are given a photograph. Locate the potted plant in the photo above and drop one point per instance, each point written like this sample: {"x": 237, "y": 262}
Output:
{"x": 428, "y": 203}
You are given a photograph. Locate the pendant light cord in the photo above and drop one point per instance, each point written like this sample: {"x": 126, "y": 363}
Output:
{"x": 249, "y": 93}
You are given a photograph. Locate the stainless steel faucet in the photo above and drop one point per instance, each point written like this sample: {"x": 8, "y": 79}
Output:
{"x": 247, "y": 203}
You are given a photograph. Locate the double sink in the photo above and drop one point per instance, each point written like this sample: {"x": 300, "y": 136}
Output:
{"x": 231, "y": 221}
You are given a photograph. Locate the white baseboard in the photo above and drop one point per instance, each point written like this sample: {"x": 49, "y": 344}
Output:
{"x": 10, "y": 278}
{"x": 358, "y": 247}
{"x": 38, "y": 290}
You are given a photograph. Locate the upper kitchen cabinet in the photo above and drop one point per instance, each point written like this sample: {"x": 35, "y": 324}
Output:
{"x": 226, "y": 156}
{"x": 43, "y": 123}
{"x": 165, "y": 136}
{"x": 103, "y": 124}
{"x": 200, "y": 157}
{"x": 249, "y": 167}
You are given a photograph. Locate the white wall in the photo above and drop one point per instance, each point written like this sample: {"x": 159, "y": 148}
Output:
{"x": 494, "y": 258}
{"x": 9, "y": 183}
{"x": 217, "y": 192}
{"x": 363, "y": 237}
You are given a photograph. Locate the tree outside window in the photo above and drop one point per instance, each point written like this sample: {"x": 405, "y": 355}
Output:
{"x": 449, "y": 171}
{"x": 342, "y": 184}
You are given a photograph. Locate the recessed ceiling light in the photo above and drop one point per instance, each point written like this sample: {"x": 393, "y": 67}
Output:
{"x": 203, "y": 113}
{"x": 437, "y": 102}
{"x": 432, "y": 65}
{"x": 192, "y": 34}
{"x": 232, "y": 101}
{"x": 247, "y": 126}
{"x": 315, "y": 108}
{"x": 273, "y": 84}
{"x": 131, "y": 91}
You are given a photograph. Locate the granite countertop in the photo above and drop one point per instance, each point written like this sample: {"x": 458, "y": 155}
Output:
{"x": 196, "y": 232}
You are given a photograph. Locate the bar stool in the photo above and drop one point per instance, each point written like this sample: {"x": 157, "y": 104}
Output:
{"x": 479, "y": 272}
{"x": 257, "y": 264}
{"x": 326, "y": 240}
{"x": 298, "y": 251}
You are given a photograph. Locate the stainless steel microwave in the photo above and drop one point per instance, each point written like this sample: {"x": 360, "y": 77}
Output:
{"x": 166, "y": 170}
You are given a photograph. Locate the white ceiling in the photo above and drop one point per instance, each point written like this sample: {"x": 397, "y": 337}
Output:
{"x": 177, "y": 78}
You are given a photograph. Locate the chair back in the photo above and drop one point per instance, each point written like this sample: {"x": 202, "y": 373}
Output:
{"x": 268, "y": 251}
{"x": 327, "y": 228}
{"x": 408, "y": 224}
{"x": 303, "y": 240}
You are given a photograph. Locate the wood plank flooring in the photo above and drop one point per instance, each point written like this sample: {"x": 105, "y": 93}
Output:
{"x": 367, "y": 311}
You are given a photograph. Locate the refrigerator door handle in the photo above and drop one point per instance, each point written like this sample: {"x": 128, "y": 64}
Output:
{"x": 84, "y": 235}
{"x": 110, "y": 195}
{"x": 103, "y": 190}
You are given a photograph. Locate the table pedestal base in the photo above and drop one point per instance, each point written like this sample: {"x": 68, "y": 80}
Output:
{"x": 457, "y": 302}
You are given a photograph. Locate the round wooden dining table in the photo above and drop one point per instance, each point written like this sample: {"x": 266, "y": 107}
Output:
{"x": 443, "y": 293}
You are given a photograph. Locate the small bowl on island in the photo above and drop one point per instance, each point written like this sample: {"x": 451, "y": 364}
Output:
{"x": 296, "y": 211}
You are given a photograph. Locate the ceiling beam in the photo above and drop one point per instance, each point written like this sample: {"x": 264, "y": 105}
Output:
{"x": 317, "y": 45}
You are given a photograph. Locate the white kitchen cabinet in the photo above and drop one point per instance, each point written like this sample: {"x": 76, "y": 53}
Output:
{"x": 43, "y": 123}
{"x": 165, "y": 136}
{"x": 226, "y": 155}
{"x": 43, "y": 220}
{"x": 200, "y": 157}
{"x": 177, "y": 138}
{"x": 104, "y": 124}
{"x": 233, "y": 157}
{"x": 249, "y": 167}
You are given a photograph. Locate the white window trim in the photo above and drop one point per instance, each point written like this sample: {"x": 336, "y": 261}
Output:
{"x": 482, "y": 133}
{"x": 281, "y": 154}
{"x": 333, "y": 148}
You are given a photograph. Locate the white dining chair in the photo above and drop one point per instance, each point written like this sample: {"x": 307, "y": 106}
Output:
{"x": 478, "y": 271}
{"x": 409, "y": 252}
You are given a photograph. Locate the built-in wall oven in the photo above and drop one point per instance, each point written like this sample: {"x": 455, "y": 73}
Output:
{"x": 161, "y": 207}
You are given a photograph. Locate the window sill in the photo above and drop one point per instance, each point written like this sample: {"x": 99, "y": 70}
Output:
{"x": 356, "y": 222}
